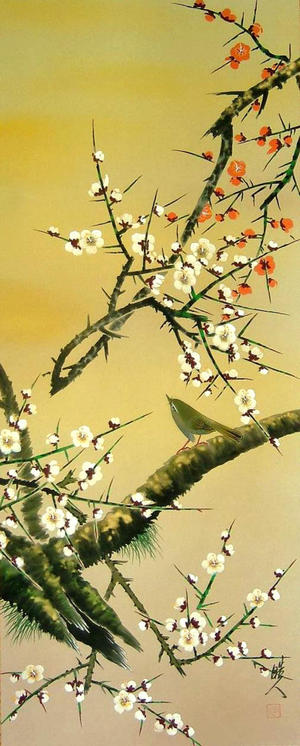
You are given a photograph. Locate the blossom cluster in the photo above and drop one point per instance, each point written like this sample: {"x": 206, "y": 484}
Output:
{"x": 133, "y": 697}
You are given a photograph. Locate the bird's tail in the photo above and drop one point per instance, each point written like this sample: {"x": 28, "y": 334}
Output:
{"x": 228, "y": 432}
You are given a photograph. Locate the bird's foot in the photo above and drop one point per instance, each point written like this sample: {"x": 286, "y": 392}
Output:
{"x": 203, "y": 442}
{"x": 185, "y": 447}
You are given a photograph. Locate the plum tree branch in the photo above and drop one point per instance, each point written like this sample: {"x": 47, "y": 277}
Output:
{"x": 122, "y": 525}
{"x": 223, "y": 128}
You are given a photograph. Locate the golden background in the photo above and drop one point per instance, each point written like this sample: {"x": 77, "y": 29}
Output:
{"x": 141, "y": 69}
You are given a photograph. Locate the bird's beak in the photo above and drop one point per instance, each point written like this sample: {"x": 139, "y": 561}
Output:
{"x": 169, "y": 398}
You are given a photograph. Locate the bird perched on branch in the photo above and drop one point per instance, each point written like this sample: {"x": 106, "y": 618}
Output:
{"x": 192, "y": 423}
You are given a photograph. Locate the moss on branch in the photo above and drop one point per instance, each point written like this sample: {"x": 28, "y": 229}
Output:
{"x": 174, "y": 478}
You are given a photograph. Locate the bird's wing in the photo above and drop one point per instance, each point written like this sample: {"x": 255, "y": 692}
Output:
{"x": 199, "y": 424}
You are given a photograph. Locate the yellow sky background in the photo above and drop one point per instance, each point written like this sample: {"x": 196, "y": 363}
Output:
{"x": 141, "y": 70}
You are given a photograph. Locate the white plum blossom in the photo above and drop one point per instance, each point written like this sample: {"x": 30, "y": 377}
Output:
{"x": 255, "y": 353}
{"x": 223, "y": 621}
{"x": 224, "y": 336}
{"x": 53, "y": 231}
{"x": 9, "y": 442}
{"x": 206, "y": 375}
{"x": 230, "y": 240}
{"x": 234, "y": 652}
{"x": 69, "y": 686}
{"x": 114, "y": 423}
{"x": 232, "y": 373}
{"x": 176, "y": 247}
{"x": 14, "y": 678}
{"x": 197, "y": 621}
{"x": 26, "y": 393}
{"x": 51, "y": 470}
{"x": 224, "y": 292}
{"x": 144, "y": 697}
{"x": 138, "y": 499}
{"x": 10, "y": 521}
{"x": 154, "y": 283}
{"x": 140, "y": 221}
{"x": 69, "y": 527}
{"x": 180, "y": 604}
{"x": 192, "y": 579}
{"x": 62, "y": 499}
{"x": 30, "y": 408}
{"x": 72, "y": 245}
{"x": 203, "y": 250}
{"x": 32, "y": 673}
{"x": 228, "y": 550}
{"x": 125, "y": 221}
{"x": 18, "y": 423}
{"x": 98, "y": 443}
{"x": 167, "y": 301}
{"x": 140, "y": 714}
{"x": 257, "y": 598}
{"x": 158, "y": 210}
{"x": 3, "y": 540}
{"x": 98, "y": 156}
{"x": 173, "y": 723}
{"x": 266, "y": 653}
{"x": 36, "y": 472}
{"x": 144, "y": 624}
{"x": 242, "y": 646}
{"x": 218, "y": 660}
{"x": 246, "y": 403}
{"x": 278, "y": 572}
{"x": 272, "y": 245}
{"x": 116, "y": 195}
{"x": 108, "y": 458}
{"x": 89, "y": 475}
{"x": 188, "y": 731}
{"x": 233, "y": 352}
{"x": 144, "y": 245}
{"x": 213, "y": 563}
{"x": 184, "y": 276}
{"x": 68, "y": 550}
{"x": 82, "y": 437}
{"x": 239, "y": 260}
{"x": 10, "y": 493}
{"x": 217, "y": 269}
{"x": 274, "y": 594}
{"x": 159, "y": 725}
{"x": 96, "y": 188}
{"x": 44, "y": 696}
{"x": 97, "y": 514}
{"x": 130, "y": 686}
{"x": 52, "y": 439}
{"x": 124, "y": 701}
{"x": 53, "y": 518}
{"x": 188, "y": 639}
{"x": 91, "y": 241}
{"x": 20, "y": 696}
{"x": 171, "y": 624}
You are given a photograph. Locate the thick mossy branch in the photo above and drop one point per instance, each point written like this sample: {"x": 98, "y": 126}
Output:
{"x": 31, "y": 602}
{"x": 174, "y": 478}
{"x": 223, "y": 128}
{"x": 30, "y": 506}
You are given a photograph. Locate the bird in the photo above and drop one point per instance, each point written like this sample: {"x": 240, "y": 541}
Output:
{"x": 191, "y": 423}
